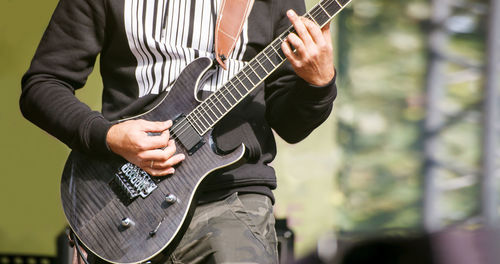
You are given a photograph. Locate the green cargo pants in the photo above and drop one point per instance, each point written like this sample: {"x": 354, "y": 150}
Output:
{"x": 238, "y": 229}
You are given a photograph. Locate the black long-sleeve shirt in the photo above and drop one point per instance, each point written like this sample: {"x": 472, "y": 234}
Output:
{"x": 143, "y": 47}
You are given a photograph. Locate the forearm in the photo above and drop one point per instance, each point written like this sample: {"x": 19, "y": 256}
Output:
{"x": 294, "y": 112}
{"x": 51, "y": 104}
{"x": 62, "y": 62}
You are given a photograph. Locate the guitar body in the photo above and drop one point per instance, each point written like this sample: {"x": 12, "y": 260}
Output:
{"x": 94, "y": 206}
{"x": 122, "y": 214}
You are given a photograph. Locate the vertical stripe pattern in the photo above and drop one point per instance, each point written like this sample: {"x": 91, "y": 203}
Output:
{"x": 166, "y": 35}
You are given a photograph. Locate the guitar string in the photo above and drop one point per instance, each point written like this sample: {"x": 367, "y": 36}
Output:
{"x": 246, "y": 72}
{"x": 202, "y": 109}
{"x": 210, "y": 102}
{"x": 317, "y": 10}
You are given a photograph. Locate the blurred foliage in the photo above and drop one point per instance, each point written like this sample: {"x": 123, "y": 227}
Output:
{"x": 380, "y": 109}
{"x": 383, "y": 53}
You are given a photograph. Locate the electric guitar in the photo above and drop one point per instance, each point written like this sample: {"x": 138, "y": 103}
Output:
{"x": 123, "y": 215}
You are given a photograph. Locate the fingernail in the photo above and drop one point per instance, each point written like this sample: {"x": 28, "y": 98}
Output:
{"x": 290, "y": 13}
{"x": 169, "y": 122}
{"x": 182, "y": 156}
{"x": 171, "y": 171}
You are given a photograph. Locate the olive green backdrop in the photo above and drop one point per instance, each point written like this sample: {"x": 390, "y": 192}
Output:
{"x": 31, "y": 160}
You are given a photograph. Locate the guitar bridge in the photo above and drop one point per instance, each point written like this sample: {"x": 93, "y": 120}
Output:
{"x": 133, "y": 181}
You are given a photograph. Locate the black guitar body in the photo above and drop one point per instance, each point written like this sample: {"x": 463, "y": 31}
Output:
{"x": 95, "y": 205}
{"x": 123, "y": 215}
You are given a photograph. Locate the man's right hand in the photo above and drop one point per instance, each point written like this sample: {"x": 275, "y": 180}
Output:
{"x": 154, "y": 154}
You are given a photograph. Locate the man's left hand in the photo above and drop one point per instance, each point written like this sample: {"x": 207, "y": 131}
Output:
{"x": 313, "y": 56}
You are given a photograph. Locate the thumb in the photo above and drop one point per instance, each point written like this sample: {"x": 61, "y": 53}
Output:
{"x": 150, "y": 126}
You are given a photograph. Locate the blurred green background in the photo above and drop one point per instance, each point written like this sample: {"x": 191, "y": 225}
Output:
{"x": 359, "y": 172}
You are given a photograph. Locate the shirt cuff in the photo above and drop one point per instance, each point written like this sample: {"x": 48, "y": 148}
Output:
{"x": 97, "y": 131}
{"x": 307, "y": 92}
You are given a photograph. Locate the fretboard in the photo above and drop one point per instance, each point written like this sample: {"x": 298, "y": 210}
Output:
{"x": 219, "y": 103}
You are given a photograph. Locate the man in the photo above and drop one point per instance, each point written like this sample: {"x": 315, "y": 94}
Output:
{"x": 143, "y": 46}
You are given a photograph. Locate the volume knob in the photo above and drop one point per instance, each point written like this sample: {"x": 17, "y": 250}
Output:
{"x": 127, "y": 222}
{"x": 170, "y": 198}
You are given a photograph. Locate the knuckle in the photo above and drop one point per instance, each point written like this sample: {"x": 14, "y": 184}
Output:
{"x": 324, "y": 47}
{"x": 313, "y": 54}
{"x": 141, "y": 146}
{"x": 164, "y": 157}
{"x": 161, "y": 165}
{"x": 141, "y": 156}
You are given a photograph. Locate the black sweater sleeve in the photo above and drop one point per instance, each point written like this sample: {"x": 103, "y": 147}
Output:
{"x": 64, "y": 59}
{"x": 294, "y": 108}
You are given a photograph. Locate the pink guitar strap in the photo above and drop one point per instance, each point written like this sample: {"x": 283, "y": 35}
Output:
{"x": 232, "y": 16}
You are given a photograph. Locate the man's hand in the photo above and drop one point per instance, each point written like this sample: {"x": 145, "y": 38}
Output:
{"x": 313, "y": 56}
{"x": 154, "y": 154}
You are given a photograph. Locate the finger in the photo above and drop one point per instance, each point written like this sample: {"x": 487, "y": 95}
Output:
{"x": 314, "y": 31}
{"x": 150, "y": 126}
{"x": 299, "y": 26}
{"x": 174, "y": 160}
{"x": 156, "y": 141}
{"x": 300, "y": 48}
{"x": 157, "y": 155}
{"x": 326, "y": 33}
{"x": 159, "y": 173}
{"x": 287, "y": 50}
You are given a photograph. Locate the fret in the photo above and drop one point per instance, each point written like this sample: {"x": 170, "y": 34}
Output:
{"x": 252, "y": 75}
{"x": 278, "y": 52}
{"x": 236, "y": 88}
{"x": 224, "y": 96}
{"x": 343, "y": 2}
{"x": 239, "y": 87}
{"x": 220, "y": 107}
{"x": 247, "y": 84}
{"x": 259, "y": 71}
{"x": 266, "y": 64}
{"x": 308, "y": 16}
{"x": 332, "y": 7}
{"x": 193, "y": 119}
{"x": 193, "y": 123}
{"x": 232, "y": 96}
{"x": 273, "y": 56}
{"x": 322, "y": 8}
{"x": 338, "y": 3}
{"x": 321, "y": 16}
{"x": 204, "y": 106}
{"x": 248, "y": 77}
{"x": 204, "y": 122}
{"x": 214, "y": 103}
{"x": 262, "y": 66}
{"x": 267, "y": 57}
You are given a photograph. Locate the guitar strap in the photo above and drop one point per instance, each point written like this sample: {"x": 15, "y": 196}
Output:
{"x": 232, "y": 16}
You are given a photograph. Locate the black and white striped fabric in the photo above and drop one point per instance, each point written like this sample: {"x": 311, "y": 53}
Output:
{"x": 166, "y": 35}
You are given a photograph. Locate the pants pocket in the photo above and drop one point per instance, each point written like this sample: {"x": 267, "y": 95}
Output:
{"x": 255, "y": 211}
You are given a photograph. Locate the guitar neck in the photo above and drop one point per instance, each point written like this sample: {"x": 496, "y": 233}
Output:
{"x": 219, "y": 103}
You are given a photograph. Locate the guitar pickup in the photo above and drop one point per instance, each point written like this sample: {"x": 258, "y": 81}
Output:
{"x": 187, "y": 135}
